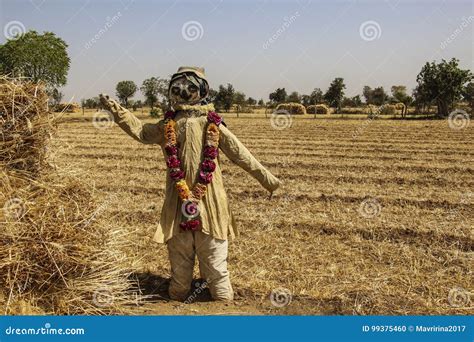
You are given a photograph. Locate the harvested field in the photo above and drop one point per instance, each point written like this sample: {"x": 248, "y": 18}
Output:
{"x": 374, "y": 217}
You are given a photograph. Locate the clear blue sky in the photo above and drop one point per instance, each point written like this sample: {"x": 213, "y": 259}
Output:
{"x": 321, "y": 40}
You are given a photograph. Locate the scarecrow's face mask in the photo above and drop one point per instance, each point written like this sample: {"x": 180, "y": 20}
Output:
{"x": 183, "y": 91}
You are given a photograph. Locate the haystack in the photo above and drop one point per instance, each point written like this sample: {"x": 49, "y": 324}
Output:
{"x": 55, "y": 255}
{"x": 318, "y": 109}
{"x": 292, "y": 108}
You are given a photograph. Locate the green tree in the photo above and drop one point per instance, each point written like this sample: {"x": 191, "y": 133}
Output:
{"x": 225, "y": 97}
{"x": 468, "y": 95}
{"x": 261, "y": 103}
{"x": 399, "y": 93}
{"x": 379, "y": 96}
{"x": 294, "y": 97}
{"x": 278, "y": 96}
{"x": 335, "y": 93}
{"x": 155, "y": 90}
{"x": 251, "y": 101}
{"x": 57, "y": 96}
{"x": 125, "y": 90}
{"x": 367, "y": 92}
{"x": 41, "y": 57}
{"x": 442, "y": 83}
{"x": 316, "y": 96}
{"x": 239, "y": 100}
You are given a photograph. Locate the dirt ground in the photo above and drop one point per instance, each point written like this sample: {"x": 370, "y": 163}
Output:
{"x": 374, "y": 217}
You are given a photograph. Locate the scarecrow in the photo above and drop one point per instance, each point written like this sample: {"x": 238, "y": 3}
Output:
{"x": 196, "y": 219}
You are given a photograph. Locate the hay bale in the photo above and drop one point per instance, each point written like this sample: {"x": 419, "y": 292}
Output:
{"x": 25, "y": 124}
{"x": 318, "y": 109}
{"x": 67, "y": 107}
{"x": 54, "y": 253}
{"x": 292, "y": 108}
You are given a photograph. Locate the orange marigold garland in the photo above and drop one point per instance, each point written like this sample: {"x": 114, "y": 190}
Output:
{"x": 191, "y": 198}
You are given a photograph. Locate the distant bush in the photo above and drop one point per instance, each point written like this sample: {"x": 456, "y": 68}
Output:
{"x": 292, "y": 108}
{"x": 353, "y": 110}
{"x": 318, "y": 109}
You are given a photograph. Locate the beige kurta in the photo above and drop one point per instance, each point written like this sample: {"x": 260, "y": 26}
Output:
{"x": 216, "y": 216}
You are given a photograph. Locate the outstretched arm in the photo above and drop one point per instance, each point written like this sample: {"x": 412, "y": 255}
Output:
{"x": 145, "y": 133}
{"x": 239, "y": 154}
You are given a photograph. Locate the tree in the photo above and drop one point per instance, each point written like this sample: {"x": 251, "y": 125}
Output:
{"x": 335, "y": 93}
{"x": 379, "y": 96}
{"x": 367, "y": 92}
{"x": 442, "y": 83}
{"x": 57, "y": 96}
{"x": 294, "y": 97}
{"x": 278, "y": 96}
{"x": 316, "y": 96}
{"x": 468, "y": 95}
{"x": 251, "y": 101}
{"x": 41, "y": 57}
{"x": 225, "y": 97}
{"x": 155, "y": 90}
{"x": 239, "y": 100}
{"x": 261, "y": 103}
{"x": 352, "y": 102}
{"x": 125, "y": 90}
{"x": 399, "y": 93}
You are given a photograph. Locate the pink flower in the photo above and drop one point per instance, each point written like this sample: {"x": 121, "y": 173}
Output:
{"x": 192, "y": 225}
{"x": 171, "y": 150}
{"x": 208, "y": 165}
{"x": 214, "y": 117}
{"x": 205, "y": 178}
{"x": 173, "y": 162}
{"x": 211, "y": 152}
{"x": 177, "y": 175}
{"x": 169, "y": 115}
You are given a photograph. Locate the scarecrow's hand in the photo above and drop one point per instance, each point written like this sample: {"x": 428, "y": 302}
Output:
{"x": 109, "y": 103}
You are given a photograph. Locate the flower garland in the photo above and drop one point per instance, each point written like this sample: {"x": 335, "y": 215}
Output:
{"x": 191, "y": 198}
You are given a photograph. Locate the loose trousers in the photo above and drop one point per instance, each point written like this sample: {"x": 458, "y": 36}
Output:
{"x": 212, "y": 256}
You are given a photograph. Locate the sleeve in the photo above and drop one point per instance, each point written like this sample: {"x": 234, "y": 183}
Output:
{"x": 239, "y": 154}
{"x": 146, "y": 133}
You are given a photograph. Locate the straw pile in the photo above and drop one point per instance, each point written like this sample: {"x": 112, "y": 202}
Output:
{"x": 318, "y": 109}
{"x": 292, "y": 108}
{"x": 55, "y": 255}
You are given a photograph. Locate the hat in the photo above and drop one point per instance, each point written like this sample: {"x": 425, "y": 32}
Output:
{"x": 197, "y": 76}
{"x": 199, "y": 72}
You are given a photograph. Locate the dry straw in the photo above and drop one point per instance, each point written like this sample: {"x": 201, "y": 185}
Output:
{"x": 55, "y": 254}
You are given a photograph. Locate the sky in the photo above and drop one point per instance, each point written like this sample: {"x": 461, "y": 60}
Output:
{"x": 255, "y": 45}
